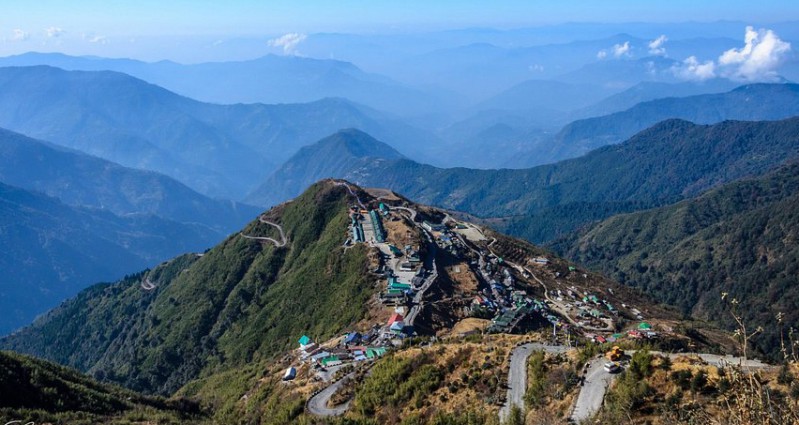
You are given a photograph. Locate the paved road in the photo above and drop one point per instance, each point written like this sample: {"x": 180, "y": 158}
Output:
{"x": 715, "y": 359}
{"x": 517, "y": 374}
{"x": 349, "y": 189}
{"x": 409, "y": 210}
{"x": 147, "y": 285}
{"x": 596, "y": 384}
{"x": 317, "y": 405}
{"x": 283, "y": 239}
{"x": 597, "y": 380}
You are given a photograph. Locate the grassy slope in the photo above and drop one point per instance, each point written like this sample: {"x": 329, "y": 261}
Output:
{"x": 240, "y": 302}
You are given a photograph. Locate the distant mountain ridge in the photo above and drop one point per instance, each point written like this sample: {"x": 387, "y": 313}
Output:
{"x": 753, "y": 102}
{"x": 341, "y": 155}
{"x": 220, "y": 151}
{"x": 267, "y": 79}
{"x": 650, "y": 90}
{"x": 82, "y": 180}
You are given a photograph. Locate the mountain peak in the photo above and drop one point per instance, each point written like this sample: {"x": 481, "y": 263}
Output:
{"x": 334, "y": 156}
{"x": 358, "y": 144}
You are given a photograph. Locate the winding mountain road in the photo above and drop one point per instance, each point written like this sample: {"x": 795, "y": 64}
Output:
{"x": 517, "y": 374}
{"x": 349, "y": 189}
{"x": 283, "y": 239}
{"x": 595, "y": 385}
{"x": 317, "y": 405}
{"x": 597, "y": 380}
{"x": 411, "y": 211}
{"x": 147, "y": 285}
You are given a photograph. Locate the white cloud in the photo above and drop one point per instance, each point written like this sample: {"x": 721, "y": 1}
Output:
{"x": 288, "y": 42}
{"x": 19, "y": 35}
{"x": 692, "y": 70}
{"x": 536, "y": 68}
{"x": 91, "y": 38}
{"x": 620, "y": 50}
{"x": 758, "y": 60}
{"x": 656, "y": 46}
{"x": 54, "y": 32}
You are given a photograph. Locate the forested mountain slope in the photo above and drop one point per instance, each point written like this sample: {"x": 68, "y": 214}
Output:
{"x": 242, "y": 301}
{"x": 39, "y": 391}
{"x": 739, "y": 240}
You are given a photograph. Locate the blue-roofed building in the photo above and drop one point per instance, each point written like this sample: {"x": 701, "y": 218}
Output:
{"x": 352, "y": 338}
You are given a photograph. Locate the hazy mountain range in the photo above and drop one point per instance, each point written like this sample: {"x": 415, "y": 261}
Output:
{"x": 52, "y": 250}
{"x": 218, "y": 150}
{"x": 268, "y": 79}
{"x": 751, "y": 102}
{"x": 82, "y": 180}
{"x": 662, "y": 164}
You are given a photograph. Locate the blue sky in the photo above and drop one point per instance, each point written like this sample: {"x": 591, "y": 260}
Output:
{"x": 150, "y": 17}
{"x": 104, "y": 27}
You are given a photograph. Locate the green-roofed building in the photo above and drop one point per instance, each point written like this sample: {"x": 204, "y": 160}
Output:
{"x": 372, "y": 353}
{"x": 400, "y": 286}
{"x": 330, "y": 361}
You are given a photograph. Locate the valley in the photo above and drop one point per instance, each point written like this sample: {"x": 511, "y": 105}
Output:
{"x": 426, "y": 213}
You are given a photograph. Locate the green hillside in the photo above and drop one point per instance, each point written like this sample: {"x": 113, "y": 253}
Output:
{"x": 40, "y": 391}
{"x": 241, "y": 302}
{"x": 739, "y": 239}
